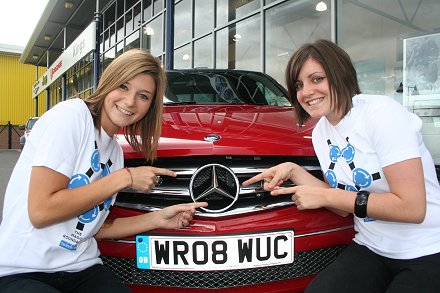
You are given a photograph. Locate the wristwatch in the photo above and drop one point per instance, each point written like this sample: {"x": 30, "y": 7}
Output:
{"x": 360, "y": 204}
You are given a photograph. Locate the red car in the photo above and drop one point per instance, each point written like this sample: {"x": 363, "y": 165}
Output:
{"x": 221, "y": 127}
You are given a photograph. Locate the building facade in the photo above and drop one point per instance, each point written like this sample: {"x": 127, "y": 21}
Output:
{"x": 394, "y": 44}
{"x": 16, "y": 80}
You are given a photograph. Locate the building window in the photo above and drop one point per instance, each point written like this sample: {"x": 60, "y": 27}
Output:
{"x": 230, "y": 10}
{"x": 238, "y": 45}
{"x": 158, "y": 6}
{"x": 203, "y": 20}
{"x": 79, "y": 79}
{"x": 132, "y": 41}
{"x": 288, "y": 26}
{"x": 183, "y": 58}
{"x": 380, "y": 57}
{"x": 152, "y": 36}
{"x": 148, "y": 9}
{"x": 182, "y": 22}
{"x": 203, "y": 52}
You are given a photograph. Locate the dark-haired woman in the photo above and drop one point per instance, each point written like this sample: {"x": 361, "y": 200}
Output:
{"x": 375, "y": 165}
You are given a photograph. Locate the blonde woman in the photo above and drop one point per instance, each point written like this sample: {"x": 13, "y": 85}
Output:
{"x": 68, "y": 175}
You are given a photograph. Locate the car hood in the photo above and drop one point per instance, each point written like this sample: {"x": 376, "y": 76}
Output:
{"x": 241, "y": 129}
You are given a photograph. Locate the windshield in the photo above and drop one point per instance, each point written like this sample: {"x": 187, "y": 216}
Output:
{"x": 31, "y": 123}
{"x": 227, "y": 87}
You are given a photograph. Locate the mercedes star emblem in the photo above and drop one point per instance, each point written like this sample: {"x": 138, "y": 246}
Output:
{"x": 217, "y": 185}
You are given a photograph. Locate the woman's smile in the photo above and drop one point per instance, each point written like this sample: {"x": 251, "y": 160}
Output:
{"x": 123, "y": 111}
{"x": 315, "y": 101}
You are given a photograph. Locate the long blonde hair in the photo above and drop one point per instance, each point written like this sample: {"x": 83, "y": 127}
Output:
{"x": 143, "y": 136}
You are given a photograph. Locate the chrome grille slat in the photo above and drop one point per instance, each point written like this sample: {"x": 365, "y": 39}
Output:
{"x": 177, "y": 190}
{"x": 236, "y": 211}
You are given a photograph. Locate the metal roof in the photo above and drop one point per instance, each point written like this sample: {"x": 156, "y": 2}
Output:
{"x": 5, "y": 48}
{"x": 54, "y": 19}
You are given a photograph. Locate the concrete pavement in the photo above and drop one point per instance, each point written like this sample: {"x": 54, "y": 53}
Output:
{"x": 8, "y": 158}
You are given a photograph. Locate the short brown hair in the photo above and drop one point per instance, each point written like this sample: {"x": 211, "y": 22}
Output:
{"x": 118, "y": 72}
{"x": 338, "y": 68}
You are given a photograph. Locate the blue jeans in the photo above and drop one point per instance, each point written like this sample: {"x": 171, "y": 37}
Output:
{"x": 358, "y": 269}
{"x": 97, "y": 278}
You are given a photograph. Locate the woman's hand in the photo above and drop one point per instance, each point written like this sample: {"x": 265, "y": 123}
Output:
{"x": 274, "y": 177}
{"x": 145, "y": 178}
{"x": 172, "y": 217}
{"x": 304, "y": 196}
{"x": 177, "y": 216}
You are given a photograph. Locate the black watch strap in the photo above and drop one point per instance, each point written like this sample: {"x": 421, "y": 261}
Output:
{"x": 360, "y": 204}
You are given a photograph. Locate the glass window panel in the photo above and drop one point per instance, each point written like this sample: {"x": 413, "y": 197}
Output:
{"x": 158, "y": 6}
{"x": 182, "y": 58}
{"x": 112, "y": 32}
{"x": 129, "y": 25}
{"x": 137, "y": 16}
{"x": 87, "y": 93}
{"x": 70, "y": 88}
{"x": 203, "y": 52}
{"x": 81, "y": 81}
{"x": 147, "y": 9}
{"x": 222, "y": 12}
{"x": 55, "y": 92}
{"x": 245, "y": 7}
{"x": 109, "y": 16}
{"x": 288, "y": 26}
{"x": 229, "y": 10}
{"x": 120, "y": 29}
{"x": 129, "y": 3}
{"x": 106, "y": 40}
{"x": 119, "y": 9}
{"x": 80, "y": 77}
{"x": 119, "y": 48}
{"x": 238, "y": 46}
{"x": 182, "y": 23}
{"x": 132, "y": 41}
{"x": 221, "y": 58}
{"x": 109, "y": 56}
{"x": 203, "y": 20}
{"x": 152, "y": 38}
{"x": 88, "y": 73}
{"x": 382, "y": 52}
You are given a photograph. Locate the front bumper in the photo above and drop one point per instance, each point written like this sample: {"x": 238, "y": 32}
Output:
{"x": 319, "y": 237}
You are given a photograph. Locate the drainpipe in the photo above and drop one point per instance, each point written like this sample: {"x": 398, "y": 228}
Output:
{"x": 96, "y": 53}
{"x": 169, "y": 35}
{"x": 48, "y": 88}
{"x": 63, "y": 77}
{"x": 36, "y": 97}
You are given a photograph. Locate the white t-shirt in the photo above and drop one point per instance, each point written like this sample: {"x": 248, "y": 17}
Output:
{"x": 65, "y": 140}
{"x": 378, "y": 132}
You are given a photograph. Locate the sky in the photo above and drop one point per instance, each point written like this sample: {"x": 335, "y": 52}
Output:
{"x": 18, "y": 19}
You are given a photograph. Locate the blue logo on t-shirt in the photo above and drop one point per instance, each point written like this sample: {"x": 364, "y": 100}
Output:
{"x": 78, "y": 180}
{"x": 94, "y": 161}
{"x": 361, "y": 177}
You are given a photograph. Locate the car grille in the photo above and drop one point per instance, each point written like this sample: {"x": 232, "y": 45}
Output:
{"x": 177, "y": 190}
{"x": 305, "y": 264}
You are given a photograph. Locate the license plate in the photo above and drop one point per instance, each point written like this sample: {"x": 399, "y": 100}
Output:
{"x": 207, "y": 253}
